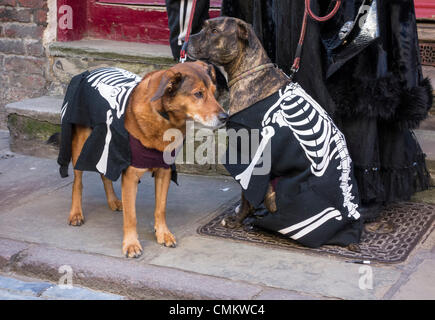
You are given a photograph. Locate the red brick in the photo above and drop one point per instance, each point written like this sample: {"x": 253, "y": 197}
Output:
{"x": 40, "y": 17}
{"x": 10, "y": 46}
{"x": 8, "y": 3}
{"x": 15, "y": 15}
{"x": 32, "y": 85}
{"x": 25, "y": 65}
{"x": 33, "y": 3}
{"x": 4, "y": 14}
{"x": 23, "y": 31}
{"x": 35, "y": 49}
{"x": 23, "y": 15}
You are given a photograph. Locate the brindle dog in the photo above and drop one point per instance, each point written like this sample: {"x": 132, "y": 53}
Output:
{"x": 232, "y": 44}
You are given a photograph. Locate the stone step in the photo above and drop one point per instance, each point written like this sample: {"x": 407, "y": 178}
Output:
{"x": 73, "y": 57}
{"x": 31, "y": 122}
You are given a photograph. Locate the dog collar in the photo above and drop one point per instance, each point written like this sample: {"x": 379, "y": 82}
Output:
{"x": 249, "y": 72}
{"x": 164, "y": 114}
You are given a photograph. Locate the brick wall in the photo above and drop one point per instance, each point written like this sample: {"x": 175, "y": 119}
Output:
{"x": 23, "y": 60}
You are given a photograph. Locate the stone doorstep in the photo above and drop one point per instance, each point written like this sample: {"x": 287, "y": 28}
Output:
{"x": 113, "y": 50}
{"x": 32, "y": 121}
{"x": 426, "y": 31}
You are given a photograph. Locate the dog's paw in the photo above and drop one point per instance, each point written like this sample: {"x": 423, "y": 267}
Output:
{"x": 165, "y": 237}
{"x": 354, "y": 247}
{"x": 76, "y": 219}
{"x": 132, "y": 248}
{"x": 230, "y": 223}
{"x": 115, "y": 205}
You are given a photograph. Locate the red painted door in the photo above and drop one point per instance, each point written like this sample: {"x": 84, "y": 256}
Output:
{"x": 121, "y": 20}
{"x": 213, "y": 3}
{"x": 425, "y": 8}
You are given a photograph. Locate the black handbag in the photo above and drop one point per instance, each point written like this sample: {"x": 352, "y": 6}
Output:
{"x": 353, "y": 37}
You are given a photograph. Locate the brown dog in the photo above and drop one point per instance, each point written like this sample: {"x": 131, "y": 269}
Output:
{"x": 185, "y": 91}
{"x": 232, "y": 44}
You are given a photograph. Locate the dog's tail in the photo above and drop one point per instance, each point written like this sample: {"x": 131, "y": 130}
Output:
{"x": 54, "y": 140}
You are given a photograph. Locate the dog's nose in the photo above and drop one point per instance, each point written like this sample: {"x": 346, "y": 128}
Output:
{"x": 223, "y": 117}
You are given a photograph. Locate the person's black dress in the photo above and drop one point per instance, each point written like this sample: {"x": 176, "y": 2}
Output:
{"x": 376, "y": 97}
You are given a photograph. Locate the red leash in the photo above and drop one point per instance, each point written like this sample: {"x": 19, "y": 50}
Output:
{"x": 308, "y": 12}
{"x": 183, "y": 55}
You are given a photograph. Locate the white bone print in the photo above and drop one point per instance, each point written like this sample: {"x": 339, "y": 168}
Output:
{"x": 102, "y": 163}
{"x": 267, "y": 133}
{"x": 317, "y": 135}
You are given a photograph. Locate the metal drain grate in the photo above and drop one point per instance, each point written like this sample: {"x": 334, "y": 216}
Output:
{"x": 427, "y": 53}
{"x": 410, "y": 221}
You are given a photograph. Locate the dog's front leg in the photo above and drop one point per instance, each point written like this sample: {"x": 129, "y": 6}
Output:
{"x": 162, "y": 181}
{"x": 130, "y": 178}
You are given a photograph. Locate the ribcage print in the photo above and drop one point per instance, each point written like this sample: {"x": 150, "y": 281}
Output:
{"x": 115, "y": 85}
{"x": 317, "y": 135}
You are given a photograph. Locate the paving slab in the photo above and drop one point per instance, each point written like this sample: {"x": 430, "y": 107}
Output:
{"x": 23, "y": 179}
{"x": 44, "y": 220}
{"x": 35, "y": 203}
{"x": 277, "y": 268}
{"x": 420, "y": 285}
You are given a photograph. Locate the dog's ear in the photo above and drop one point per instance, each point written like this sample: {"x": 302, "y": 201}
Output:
{"x": 243, "y": 30}
{"x": 208, "y": 68}
{"x": 212, "y": 73}
{"x": 169, "y": 84}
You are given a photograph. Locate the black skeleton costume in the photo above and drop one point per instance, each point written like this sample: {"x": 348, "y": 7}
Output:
{"x": 98, "y": 100}
{"x": 303, "y": 150}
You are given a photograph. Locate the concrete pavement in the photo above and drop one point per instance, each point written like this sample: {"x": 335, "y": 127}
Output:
{"x": 36, "y": 241}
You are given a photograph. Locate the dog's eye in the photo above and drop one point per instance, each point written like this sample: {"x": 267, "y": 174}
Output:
{"x": 214, "y": 30}
{"x": 199, "y": 95}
